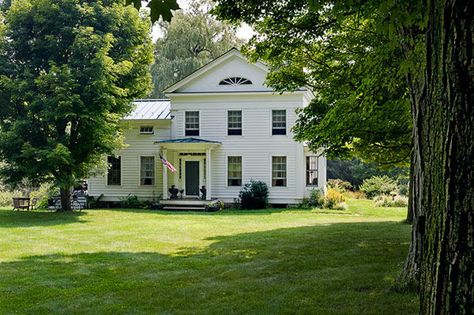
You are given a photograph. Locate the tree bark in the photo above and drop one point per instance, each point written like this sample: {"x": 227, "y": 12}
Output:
{"x": 65, "y": 199}
{"x": 446, "y": 167}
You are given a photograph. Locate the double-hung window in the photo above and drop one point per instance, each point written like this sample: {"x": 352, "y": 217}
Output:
{"x": 191, "y": 124}
{"x": 234, "y": 123}
{"x": 147, "y": 170}
{"x": 114, "y": 172}
{"x": 311, "y": 171}
{"x": 279, "y": 122}
{"x": 279, "y": 171}
{"x": 234, "y": 171}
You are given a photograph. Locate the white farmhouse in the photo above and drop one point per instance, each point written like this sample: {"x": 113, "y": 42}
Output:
{"x": 220, "y": 128}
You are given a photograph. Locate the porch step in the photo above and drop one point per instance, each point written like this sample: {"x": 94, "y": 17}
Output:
{"x": 184, "y": 208}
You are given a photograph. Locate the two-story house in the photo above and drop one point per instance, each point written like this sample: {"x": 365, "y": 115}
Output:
{"x": 220, "y": 128}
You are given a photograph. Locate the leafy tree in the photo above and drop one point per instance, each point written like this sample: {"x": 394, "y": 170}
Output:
{"x": 363, "y": 59}
{"x": 439, "y": 86}
{"x": 362, "y": 106}
{"x": 191, "y": 40}
{"x": 158, "y": 8}
{"x": 445, "y": 142}
{"x": 70, "y": 71}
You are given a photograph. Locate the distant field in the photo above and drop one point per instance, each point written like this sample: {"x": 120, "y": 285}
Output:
{"x": 230, "y": 262}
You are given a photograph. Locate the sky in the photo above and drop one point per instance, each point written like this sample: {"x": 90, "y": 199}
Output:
{"x": 244, "y": 31}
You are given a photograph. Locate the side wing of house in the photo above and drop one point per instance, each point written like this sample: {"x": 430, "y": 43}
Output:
{"x": 136, "y": 169}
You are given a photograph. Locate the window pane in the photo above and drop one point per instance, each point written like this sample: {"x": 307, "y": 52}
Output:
{"x": 312, "y": 170}
{"x": 234, "y": 122}
{"x": 279, "y": 170}
{"x": 146, "y": 129}
{"x": 279, "y": 122}
{"x": 147, "y": 170}
{"x": 191, "y": 123}
{"x": 234, "y": 171}
{"x": 114, "y": 171}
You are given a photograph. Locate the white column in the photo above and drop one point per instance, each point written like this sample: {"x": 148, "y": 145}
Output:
{"x": 165, "y": 177}
{"x": 208, "y": 174}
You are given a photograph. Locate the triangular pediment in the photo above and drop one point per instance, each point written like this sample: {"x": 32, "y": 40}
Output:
{"x": 227, "y": 73}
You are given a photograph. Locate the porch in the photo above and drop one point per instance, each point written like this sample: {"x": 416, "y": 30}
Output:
{"x": 192, "y": 180}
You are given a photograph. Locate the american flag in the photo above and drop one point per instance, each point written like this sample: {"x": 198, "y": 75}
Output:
{"x": 167, "y": 164}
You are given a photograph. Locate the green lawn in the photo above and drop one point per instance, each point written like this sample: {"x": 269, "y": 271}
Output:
{"x": 231, "y": 262}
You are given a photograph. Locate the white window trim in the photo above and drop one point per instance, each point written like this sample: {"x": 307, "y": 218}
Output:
{"x": 140, "y": 170}
{"x": 271, "y": 122}
{"x": 227, "y": 122}
{"x": 184, "y": 123}
{"x": 147, "y": 133}
{"x": 227, "y": 171}
{"x": 271, "y": 171}
{"x": 306, "y": 170}
{"x": 121, "y": 172}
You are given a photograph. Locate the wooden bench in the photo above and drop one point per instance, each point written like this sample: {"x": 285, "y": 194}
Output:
{"x": 21, "y": 203}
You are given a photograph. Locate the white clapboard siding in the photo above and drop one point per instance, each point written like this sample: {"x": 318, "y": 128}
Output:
{"x": 256, "y": 145}
{"x": 137, "y": 145}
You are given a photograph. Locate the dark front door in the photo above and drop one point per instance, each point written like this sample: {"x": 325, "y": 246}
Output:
{"x": 192, "y": 178}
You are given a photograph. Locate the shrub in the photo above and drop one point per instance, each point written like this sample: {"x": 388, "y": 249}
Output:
{"x": 315, "y": 200}
{"x": 6, "y": 198}
{"x": 41, "y": 194}
{"x": 215, "y": 205}
{"x": 378, "y": 185}
{"x": 403, "y": 185}
{"x": 334, "y": 200}
{"x": 253, "y": 195}
{"x": 391, "y": 201}
{"x": 339, "y": 185}
{"x": 131, "y": 202}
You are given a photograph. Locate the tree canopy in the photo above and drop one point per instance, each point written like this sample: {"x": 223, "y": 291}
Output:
{"x": 345, "y": 52}
{"x": 191, "y": 39}
{"x": 69, "y": 73}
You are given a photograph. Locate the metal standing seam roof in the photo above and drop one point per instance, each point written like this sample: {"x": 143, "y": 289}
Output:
{"x": 187, "y": 140}
{"x": 150, "y": 109}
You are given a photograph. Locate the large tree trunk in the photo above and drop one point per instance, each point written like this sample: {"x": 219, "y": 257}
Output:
{"x": 65, "y": 199}
{"x": 447, "y": 161}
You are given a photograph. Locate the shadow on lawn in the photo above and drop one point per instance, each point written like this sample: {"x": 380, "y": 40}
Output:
{"x": 332, "y": 269}
{"x": 229, "y": 211}
{"x": 14, "y": 219}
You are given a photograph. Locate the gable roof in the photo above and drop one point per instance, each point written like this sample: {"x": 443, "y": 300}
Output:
{"x": 212, "y": 64}
{"x": 149, "y": 109}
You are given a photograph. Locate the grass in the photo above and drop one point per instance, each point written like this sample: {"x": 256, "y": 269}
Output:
{"x": 234, "y": 262}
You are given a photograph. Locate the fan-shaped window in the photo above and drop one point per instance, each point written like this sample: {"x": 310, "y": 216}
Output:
{"x": 235, "y": 81}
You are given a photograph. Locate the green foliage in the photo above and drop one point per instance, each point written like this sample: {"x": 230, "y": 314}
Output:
{"x": 158, "y": 8}
{"x": 379, "y": 185}
{"x": 351, "y": 54}
{"x": 131, "y": 202}
{"x": 68, "y": 73}
{"x": 215, "y": 205}
{"x": 315, "y": 200}
{"x": 391, "y": 201}
{"x": 339, "y": 185}
{"x": 191, "y": 40}
{"x": 355, "y": 171}
{"x": 254, "y": 195}
{"x": 334, "y": 200}
{"x": 95, "y": 202}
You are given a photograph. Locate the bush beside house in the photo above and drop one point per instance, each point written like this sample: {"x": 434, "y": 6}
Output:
{"x": 253, "y": 195}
